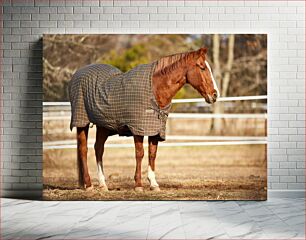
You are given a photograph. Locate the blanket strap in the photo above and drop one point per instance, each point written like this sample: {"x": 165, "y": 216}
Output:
{"x": 162, "y": 113}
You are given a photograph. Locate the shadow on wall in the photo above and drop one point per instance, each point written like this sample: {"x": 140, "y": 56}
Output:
{"x": 29, "y": 154}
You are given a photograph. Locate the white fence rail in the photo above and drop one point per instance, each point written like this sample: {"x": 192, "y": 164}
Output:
{"x": 190, "y": 100}
{"x": 184, "y": 116}
{"x": 206, "y": 140}
{"x": 179, "y": 144}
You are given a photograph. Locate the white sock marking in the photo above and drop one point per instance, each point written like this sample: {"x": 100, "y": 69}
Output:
{"x": 151, "y": 177}
{"x": 101, "y": 177}
{"x": 212, "y": 77}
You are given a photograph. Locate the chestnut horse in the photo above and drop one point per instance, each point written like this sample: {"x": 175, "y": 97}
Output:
{"x": 170, "y": 75}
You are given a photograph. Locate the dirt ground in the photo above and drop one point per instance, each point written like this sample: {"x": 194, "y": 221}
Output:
{"x": 183, "y": 173}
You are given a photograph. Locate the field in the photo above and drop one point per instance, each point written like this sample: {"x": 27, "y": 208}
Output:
{"x": 183, "y": 173}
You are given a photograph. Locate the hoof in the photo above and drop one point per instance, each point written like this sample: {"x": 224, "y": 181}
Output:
{"x": 103, "y": 188}
{"x": 138, "y": 189}
{"x": 89, "y": 188}
{"x": 155, "y": 189}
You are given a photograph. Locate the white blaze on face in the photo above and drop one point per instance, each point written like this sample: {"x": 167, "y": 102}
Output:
{"x": 101, "y": 177}
{"x": 213, "y": 79}
{"x": 151, "y": 177}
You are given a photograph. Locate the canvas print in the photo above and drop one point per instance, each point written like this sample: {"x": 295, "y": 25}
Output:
{"x": 155, "y": 116}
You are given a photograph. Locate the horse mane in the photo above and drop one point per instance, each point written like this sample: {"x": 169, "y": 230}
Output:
{"x": 169, "y": 63}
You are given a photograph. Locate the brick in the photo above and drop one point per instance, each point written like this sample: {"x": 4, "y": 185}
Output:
{"x": 23, "y": 3}
{"x": 148, "y": 24}
{"x": 74, "y": 3}
{"x": 159, "y": 17}
{"x": 129, "y": 10}
{"x": 81, "y": 24}
{"x": 138, "y": 3}
{"x": 166, "y": 9}
{"x": 295, "y": 172}
{"x": 261, "y": 10}
{"x": 185, "y": 10}
{"x": 118, "y": 17}
{"x": 296, "y": 186}
{"x": 121, "y": 3}
{"x": 30, "y": 10}
{"x": 295, "y": 157}
{"x": 81, "y": 9}
{"x": 29, "y": 24}
{"x": 19, "y": 173}
{"x": 21, "y": 16}
{"x": 27, "y": 179}
{"x": 40, "y": 16}
{"x": 229, "y": 17}
{"x": 21, "y": 31}
{"x": 106, "y": 17}
{"x": 177, "y": 17}
{"x": 203, "y": 10}
{"x": 11, "y": 10}
{"x": 96, "y": 10}
{"x": 273, "y": 179}
{"x": 300, "y": 179}
{"x": 91, "y": 16}
{"x": 42, "y": 2}
{"x": 273, "y": 165}
{"x": 76, "y": 16}
{"x": 10, "y": 179}
{"x": 20, "y": 186}
{"x": 297, "y": 138}
{"x": 129, "y": 24}
{"x": 290, "y": 10}
{"x": 280, "y": 172}
{"x": 157, "y": 3}
{"x": 98, "y": 24}
{"x": 221, "y": 24}
{"x": 65, "y": 24}
{"x": 58, "y": 3}
{"x": 112, "y": 10}
{"x": 287, "y": 165}
{"x": 288, "y": 179}
{"x": 147, "y": 9}
{"x": 168, "y": 24}
{"x": 189, "y": 17}
{"x": 139, "y": 16}
{"x": 66, "y": 10}
{"x": 49, "y": 10}
{"x": 91, "y": 3}
{"x": 279, "y": 186}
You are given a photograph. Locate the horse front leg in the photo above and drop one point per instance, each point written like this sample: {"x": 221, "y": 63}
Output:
{"x": 139, "y": 153}
{"x": 151, "y": 168}
{"x": 101, "y": 137}
{"x": 84, "y": 178}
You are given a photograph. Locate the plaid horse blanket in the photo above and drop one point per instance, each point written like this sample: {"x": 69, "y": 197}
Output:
{"x": 121, "y": 102}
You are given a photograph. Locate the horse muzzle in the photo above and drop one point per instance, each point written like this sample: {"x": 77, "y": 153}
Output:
{"x": 211, "y": 98}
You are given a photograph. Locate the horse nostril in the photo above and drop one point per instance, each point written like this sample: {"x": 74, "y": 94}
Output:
{"x": 215, "y": 95}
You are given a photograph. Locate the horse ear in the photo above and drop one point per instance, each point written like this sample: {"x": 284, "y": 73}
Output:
{"x": 201, "y": 57}
{"x": 203, "y": 50}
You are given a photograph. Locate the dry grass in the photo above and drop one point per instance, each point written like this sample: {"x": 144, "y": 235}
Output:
{"x": 184, "y": 173}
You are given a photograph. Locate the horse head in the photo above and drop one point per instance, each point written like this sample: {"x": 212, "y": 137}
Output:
{"x": 200, "y": 77}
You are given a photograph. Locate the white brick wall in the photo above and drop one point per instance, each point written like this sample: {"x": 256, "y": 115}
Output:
{"x": 25, "y": 21}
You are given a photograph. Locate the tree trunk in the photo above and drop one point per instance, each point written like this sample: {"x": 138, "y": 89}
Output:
{"x": 229, "y": 64}
{"x": 216, "y": 123}
{"x": 223, "y": 83}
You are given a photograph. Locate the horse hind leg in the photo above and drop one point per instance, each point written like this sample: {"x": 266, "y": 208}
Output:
{"x": 101, "y": 137}
{"x": 83, "y": 174}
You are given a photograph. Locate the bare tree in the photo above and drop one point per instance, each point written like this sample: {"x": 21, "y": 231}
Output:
{"x": 222, "y": 82}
